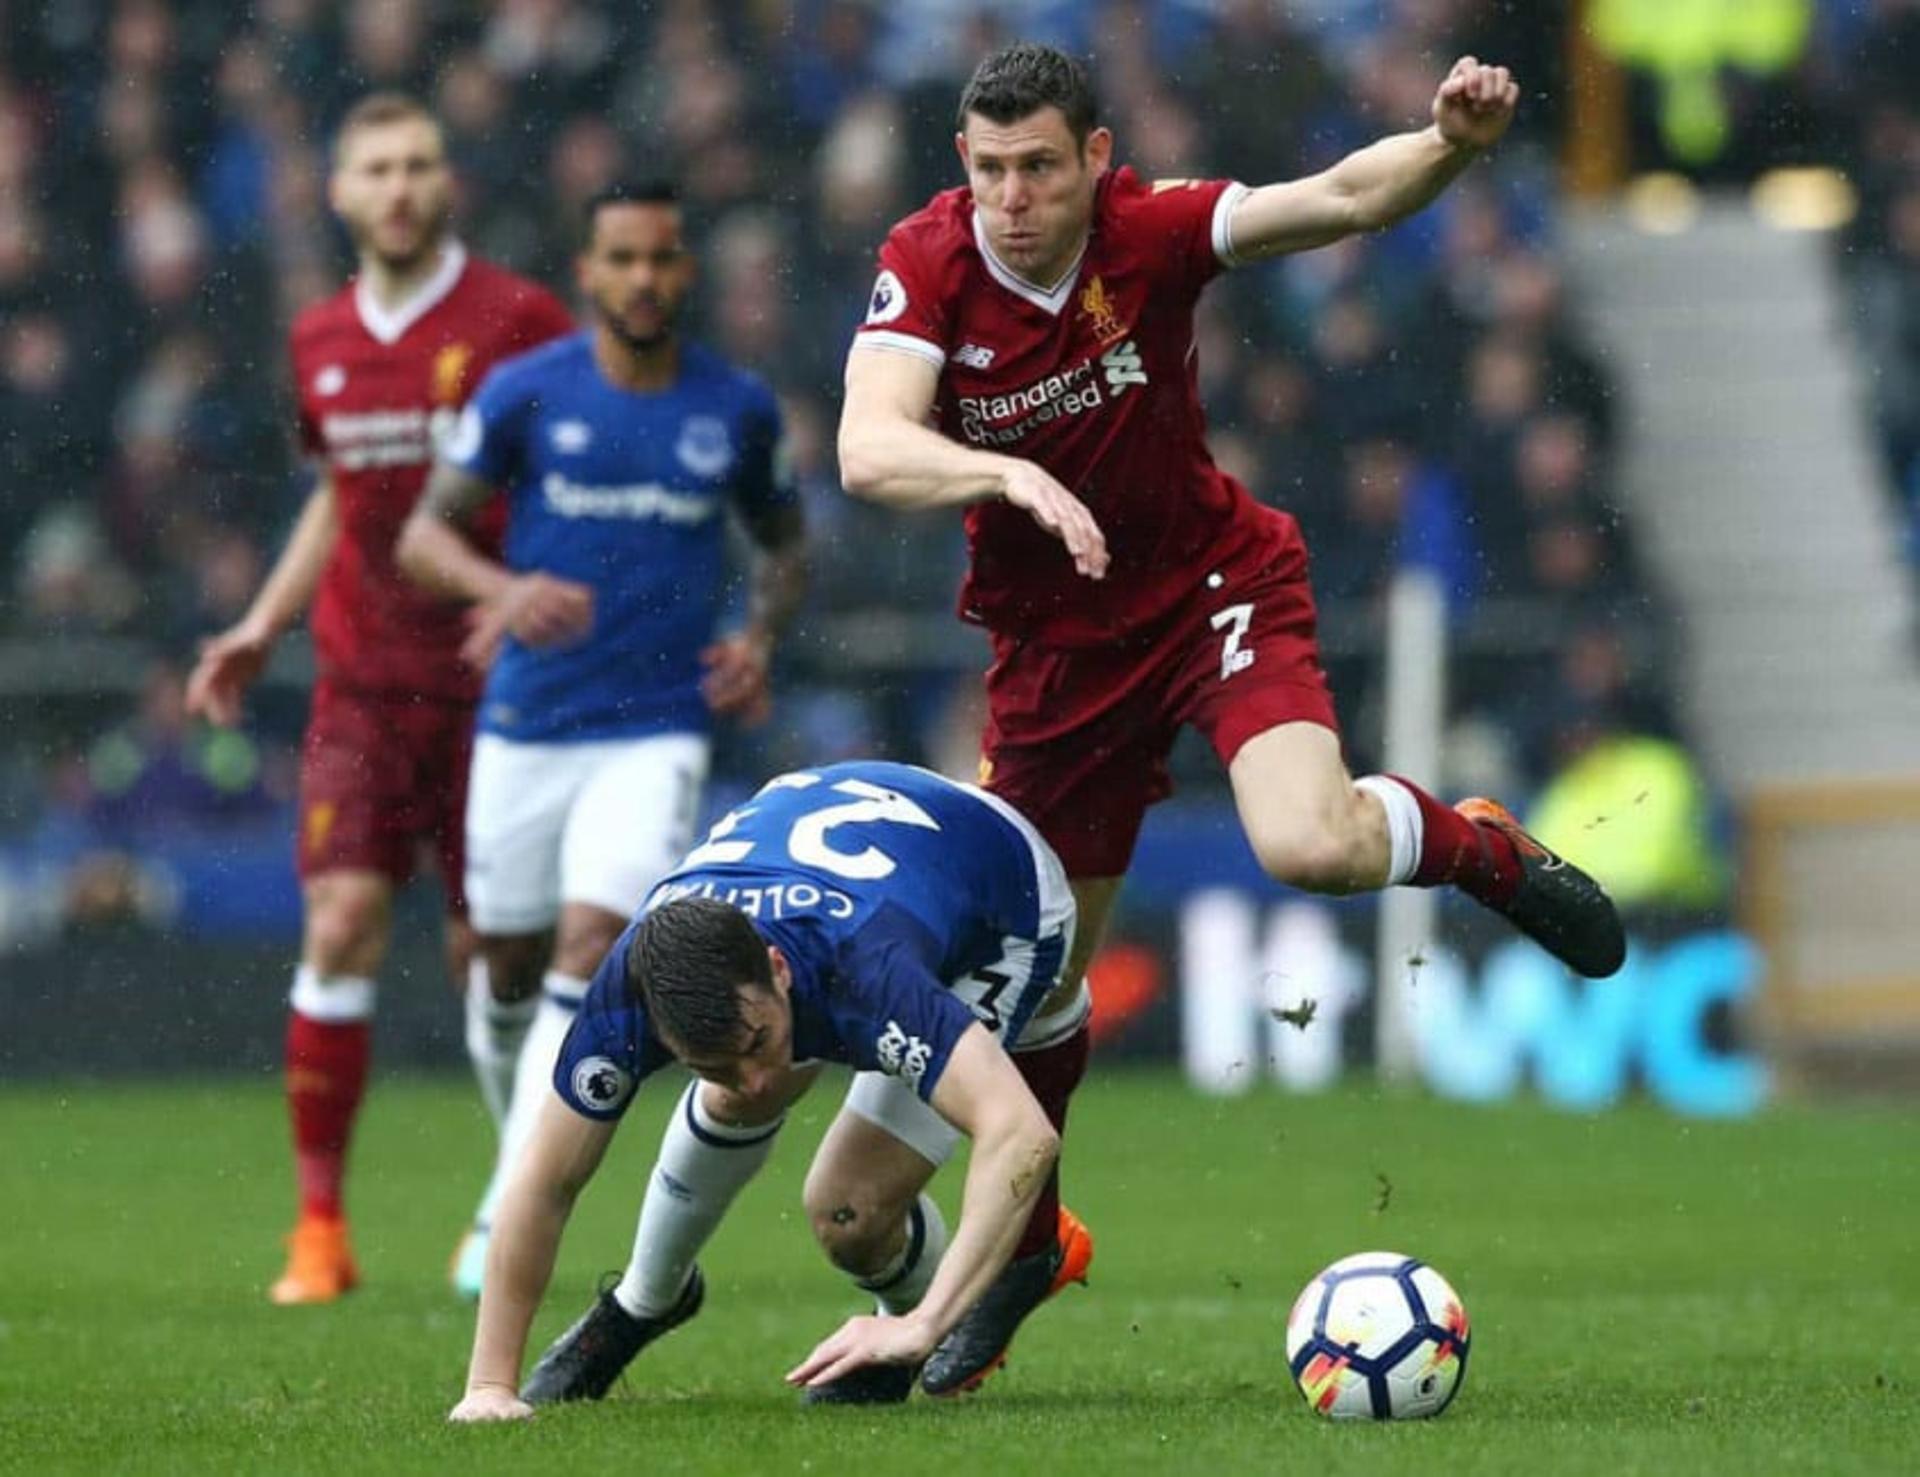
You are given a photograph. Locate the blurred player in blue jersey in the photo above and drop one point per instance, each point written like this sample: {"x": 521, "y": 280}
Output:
{"x": 866, "y": 913}
{"x": 622, "y": 449}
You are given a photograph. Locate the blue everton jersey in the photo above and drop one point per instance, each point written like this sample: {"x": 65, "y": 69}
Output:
{"x": 625, "y": 492}
{"x": 896, "y": 896}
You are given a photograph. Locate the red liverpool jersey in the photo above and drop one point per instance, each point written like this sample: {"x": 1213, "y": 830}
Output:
{"x": 1094, "y": 380}
{"x": 377, "y": 389}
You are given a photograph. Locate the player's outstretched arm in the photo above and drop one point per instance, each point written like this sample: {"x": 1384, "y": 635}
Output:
{"x": 1385, "y": 182}
{"x": 231, "y": 661}
{"x": 1014, "y": 1149}
{"x": 559, "y": 1159}
{"x": 890, "y": 455}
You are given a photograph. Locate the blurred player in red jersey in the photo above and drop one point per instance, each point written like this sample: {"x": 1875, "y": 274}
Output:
{"x": 1028, "y": 353}
{"x": 380, "y": 370}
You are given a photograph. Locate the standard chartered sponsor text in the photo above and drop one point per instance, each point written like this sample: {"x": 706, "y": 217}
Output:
{"x": 1067, "y": 393}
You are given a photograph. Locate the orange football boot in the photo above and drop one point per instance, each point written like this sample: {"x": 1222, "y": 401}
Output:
{"x": 319, "y": 1263}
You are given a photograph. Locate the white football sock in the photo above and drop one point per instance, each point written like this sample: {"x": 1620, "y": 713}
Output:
{"x": 496, "y": 1030}
{"x": 899, "y": 1286}
{"x": 1406, "y": 828}
{"x": 560, "y": 997}
{"x": 703, "y": 1164}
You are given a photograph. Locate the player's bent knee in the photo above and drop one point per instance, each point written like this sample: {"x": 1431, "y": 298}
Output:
{"x": 858, "y": 1234}
{"x": 1319, "y": 859}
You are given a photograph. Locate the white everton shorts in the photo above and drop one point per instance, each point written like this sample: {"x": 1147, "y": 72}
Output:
{"x": 895, "y": 1108}
{"x": 596, "y": 822}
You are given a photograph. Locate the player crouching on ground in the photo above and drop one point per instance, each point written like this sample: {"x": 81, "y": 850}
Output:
{"x": 867, "y": 913}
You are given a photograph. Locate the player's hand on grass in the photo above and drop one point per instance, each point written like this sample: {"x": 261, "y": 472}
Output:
{"x": 735, "y": 685}
{"x": 536, "y": 609}
{"x": 1475, "y": 104}
{"x": 860, "y": 1342}
{"x": 490, "y": 1403}
{"x": 227, "y": 667}
{"x": 1059, "y": 512}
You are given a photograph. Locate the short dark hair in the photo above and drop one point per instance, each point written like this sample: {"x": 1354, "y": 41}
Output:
{"x": 1025, "y": 77}
{"x": 624, "y": 192}
{"x": 377, "y": 110}
{"x": 687, "y": 962}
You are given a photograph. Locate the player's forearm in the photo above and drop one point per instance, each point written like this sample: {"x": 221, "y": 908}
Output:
{"x": 1399, "y": 176}
{"x": 1004, "y": 1178}
{"x": 901, "y": 464}
{"x": 1368, "y": 190}
{"x": 296, "y": 573}
{"x": 520, "y": 1257}
{"x": 776, "y": 586}
{"x": 436, "y": 556}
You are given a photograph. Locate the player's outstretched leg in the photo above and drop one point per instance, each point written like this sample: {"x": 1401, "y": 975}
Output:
{"x": 583, "y": 1362}
{"x": 977, "y": 1344}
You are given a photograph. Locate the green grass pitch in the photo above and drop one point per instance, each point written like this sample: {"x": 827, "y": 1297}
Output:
{"x": 1647, "y": 1295}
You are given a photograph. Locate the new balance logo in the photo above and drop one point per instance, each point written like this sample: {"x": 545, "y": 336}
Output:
{"x": 1123, "y": 367}
{"x": 974, "y": 356}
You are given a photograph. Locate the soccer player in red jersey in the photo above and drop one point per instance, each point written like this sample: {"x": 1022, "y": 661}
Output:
{"x": 381, "y": 370}
{"x": 1028, "y": 353}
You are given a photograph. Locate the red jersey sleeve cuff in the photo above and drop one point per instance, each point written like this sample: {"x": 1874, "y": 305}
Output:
{"x": 1223, "y": 223}
{"x": 901, "y": 343}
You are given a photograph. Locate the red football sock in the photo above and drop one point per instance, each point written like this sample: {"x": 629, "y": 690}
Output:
{"x": 1477, "y": 859}
{"x": 326, "y": 1075}
{"x": 1052, "y": 1073}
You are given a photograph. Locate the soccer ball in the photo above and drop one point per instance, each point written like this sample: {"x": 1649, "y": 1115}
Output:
{"x": 1378, "y": 1335}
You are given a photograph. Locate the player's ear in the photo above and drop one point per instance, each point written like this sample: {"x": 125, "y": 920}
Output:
{"x": 782, "y": 971}
{"x": 1099, "y": 150}
{"x": 960, "y": 147}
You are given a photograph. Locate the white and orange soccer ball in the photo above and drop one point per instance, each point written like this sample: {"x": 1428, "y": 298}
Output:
{"x": 1378, "y": 1336}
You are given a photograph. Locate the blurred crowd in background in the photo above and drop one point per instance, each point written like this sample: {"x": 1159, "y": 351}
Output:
{"x": 1422, "y": 395}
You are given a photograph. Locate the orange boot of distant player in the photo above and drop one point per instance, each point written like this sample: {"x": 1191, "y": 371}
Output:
{"x": 319, "y": 1263}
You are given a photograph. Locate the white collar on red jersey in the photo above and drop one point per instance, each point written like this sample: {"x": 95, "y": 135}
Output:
{"x": 1053, "y": 300}
{"x": 388, "y": 324}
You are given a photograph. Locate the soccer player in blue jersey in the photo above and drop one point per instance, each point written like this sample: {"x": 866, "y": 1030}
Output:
{"x": 623, "y": 449}
{"x": 866, "y": 913}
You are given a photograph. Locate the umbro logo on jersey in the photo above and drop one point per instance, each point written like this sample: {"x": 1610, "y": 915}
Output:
{"x": 571, "y": 437}
{"x": 330, "y": 380}
{"x": 901, "y": 1055}
{"x": 974, "y": 356}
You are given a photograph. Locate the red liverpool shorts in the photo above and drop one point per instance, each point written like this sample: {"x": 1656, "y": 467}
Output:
{"x": 383, "y": 783}
{"x": 1077, "y": 739}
